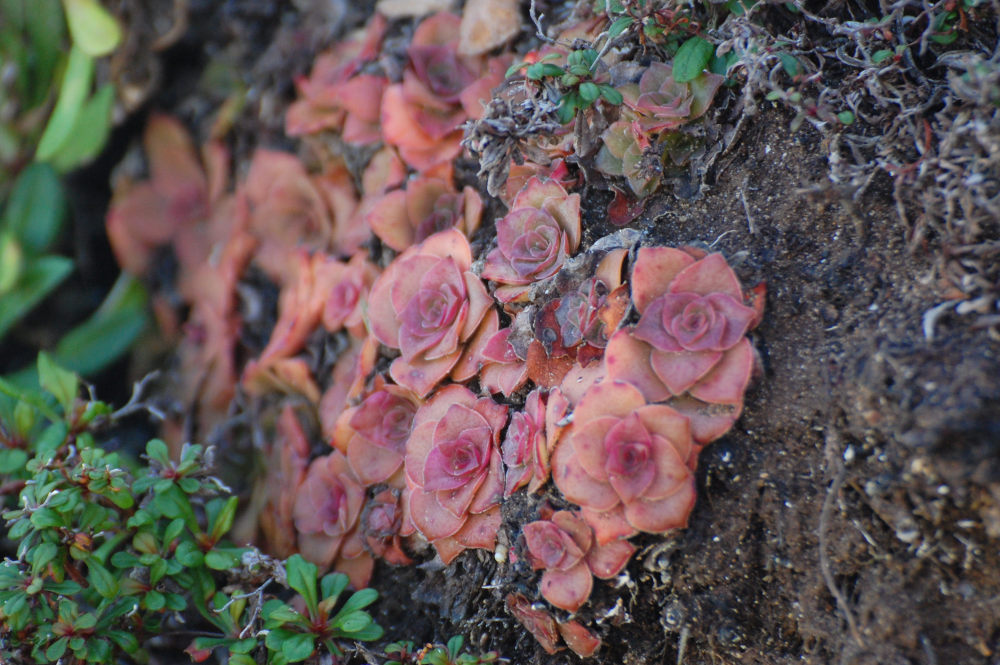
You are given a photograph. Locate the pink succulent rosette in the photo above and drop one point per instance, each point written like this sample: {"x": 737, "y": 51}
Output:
{"x": 348, "y": 296}
{"x": 626, "y": 463}
{"x": 534, "y": 239}
{"x": 563, "y": 545}
{"x": 327, "y": 507}
{"x": 664, "y": 104}
{"x": 428, "y": 205}
{"x": 454, "y": 472}
{"x": 689, "y": 346}
{"x": 530, "y": 437}
{"x": 422, "y": 116}
{"x": 428, "y": 304}
{"x": 373, "y": 434}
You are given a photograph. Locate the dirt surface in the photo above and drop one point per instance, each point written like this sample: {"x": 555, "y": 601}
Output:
{"x": 851, "y": 516}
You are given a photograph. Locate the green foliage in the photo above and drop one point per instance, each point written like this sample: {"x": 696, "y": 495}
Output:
{"x": 578, "y": 80}
{"x": 402, "y": 653}
{"x": 109, "y": 549}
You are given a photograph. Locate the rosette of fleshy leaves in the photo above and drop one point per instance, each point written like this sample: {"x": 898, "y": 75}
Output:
{"x": 454, "y": 472}
{"x": 689, "y": 348}
{"x": 534, "y": 239}
{"x": 562, "y": 544}
{"x": 654, "y": 108}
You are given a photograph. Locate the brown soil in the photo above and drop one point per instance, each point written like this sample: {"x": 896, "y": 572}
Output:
{"x": 851, "y": 516}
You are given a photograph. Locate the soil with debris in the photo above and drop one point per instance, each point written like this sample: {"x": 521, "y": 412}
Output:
{"x": 853, "y": 514}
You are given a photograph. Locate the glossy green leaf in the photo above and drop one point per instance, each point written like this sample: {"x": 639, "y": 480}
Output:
{"x": 90, "y": 131}
{"x": 589, "y": 92}
{"x": 57, "y": 648}
{"x": 790, "y": 64}
{"x": 692, "y": 58}
{"x": 619, "y": 25}
{"x": 223, "y": 521}
{"x": 39, "y": 279}
{"x": 298, "y": 647}
{"x": 36, "y": 208}
{"x": 72, "y": 95}
{"x": 95, "y": 31}
{"x": 220, "y": 560}
{"x": 101, "y": 580}
{"x": 110, "y": 330}
{"x": 12, "y": 460}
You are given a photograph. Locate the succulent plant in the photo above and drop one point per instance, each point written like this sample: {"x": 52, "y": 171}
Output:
{"x": 454, "y": 471}
{"x": 689, "y": 346}
{"x": 530, "y": 438}
{"x": 403, "y": 217}
{"x": 534, "y": 239}
{"x": 428, "y": 304}
{"x": 563, "y": 545}
{"x": 440, "y": 89}
{"x": 626, "y": 463}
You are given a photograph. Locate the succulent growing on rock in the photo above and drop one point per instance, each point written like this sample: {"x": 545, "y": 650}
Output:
{"x": 563, "y": 545}
{"x": 534, "y": 239}
{"x": 689, "y": 346}
{"x": 428, "y": 304}
{"x": 454, "y": 471}
{"x": 626, "y": 463}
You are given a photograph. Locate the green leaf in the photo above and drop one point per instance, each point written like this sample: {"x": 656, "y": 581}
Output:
{"x": 157, "y": 450}
{"x": 589, "y": 92}
{"x": 790, "y": 64}
{"x": 220, "y": 560}
{"x": 72, "y": 95}
{"x": 42, "y": 555}
{"x": 109, "y": 332}
{"x": 57, "y": 649}
{"x": 188, "y": 555}
{"x": 846, "y": 117}
{"x": 11, "y": 261}
{"x": 94, "y": 30}
{"x": 46, "y": 518}
{"x": 224, "y": 520}
{"x": 12, "y": 460}
{"x": 301, "y": 576}
{"x": 881, "y": 55}
{"x": 455, "y": 645}
{"x": 102, "y": 581}
{"x": 610, "y": 95}
{"x": 61, "y": 383}
{"x": 38, "y": 279}
{"x": 692, "y": 58}
{"x": 124, "y": 559}
{"x": 125, "y": 640}
{"x": 90, "y": 131}
{"x": 276, "y": 613}
{"x": 174, "y": 529}
{"x": 619, "y": 25}
{"x": 36, "y": 209}
{"x": 331, "y": 586}
{"x": 369, "y": 634}
{"x": 352, "y": 623}
{"x": 154, "y": 600}
{"x": 298, "y": 647}
{"x": 358, "y": 600}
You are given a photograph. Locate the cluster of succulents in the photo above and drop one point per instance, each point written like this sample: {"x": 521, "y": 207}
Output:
{"x": 431, "y": 412}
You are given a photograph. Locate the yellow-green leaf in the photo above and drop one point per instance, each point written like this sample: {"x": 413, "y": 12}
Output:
{"x": 93, "y": 28}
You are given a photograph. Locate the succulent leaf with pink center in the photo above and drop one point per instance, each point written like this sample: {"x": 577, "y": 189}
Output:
{"x": 454, "y": 471}
{"x": 664, "y": 104}
{"x": 428, "y": 305}
{"x": 534, "y": 238}
{"x": 564, "y": 546}
{"x": 626, "y": 463}
{"x": 689, "y": 346}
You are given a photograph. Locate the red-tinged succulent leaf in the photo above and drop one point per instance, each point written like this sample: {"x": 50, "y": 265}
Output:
{"x": 550, "y": 547}
{"x": 576, "y": 484}
{"x": 525, "y": 450}
{"x": 608, "y": 525}
{"x": 538, "y": 622}
{"x": 329, "y": 500}
{"x": 708, "y": 421}
{"x": 590, "y": 447}
{"x": 623, "y": 208}
{"x": 284, "y": 375}
{"x": 628, "y": 360}
{"x": 429, "y": 518}
{"x": 381, "y": 522}
{"x": 480, "y": 530}
{"x": 681, "y": 370}
{"x": 630, "y": 458}
{"x": 580, "y": 640}
{"x": 662, "y": 515}
{"x": 288, "y": 459}
{"x": 580, "y": 379}
{"x": 358, "y": 570}
{"x": 728, "y": 380}
{"x": 607, "y": 560}
{"x": 654, "y": 270}
{"x": 757, "y": 297}
{"x": 709, "y": 275}
{"x": 567, "y": 589}
{"x": 545, "y": 371}
{"x": 607, "y": 399}
{"x": 671, "y": 425}
{"x": 448, "y": 549}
